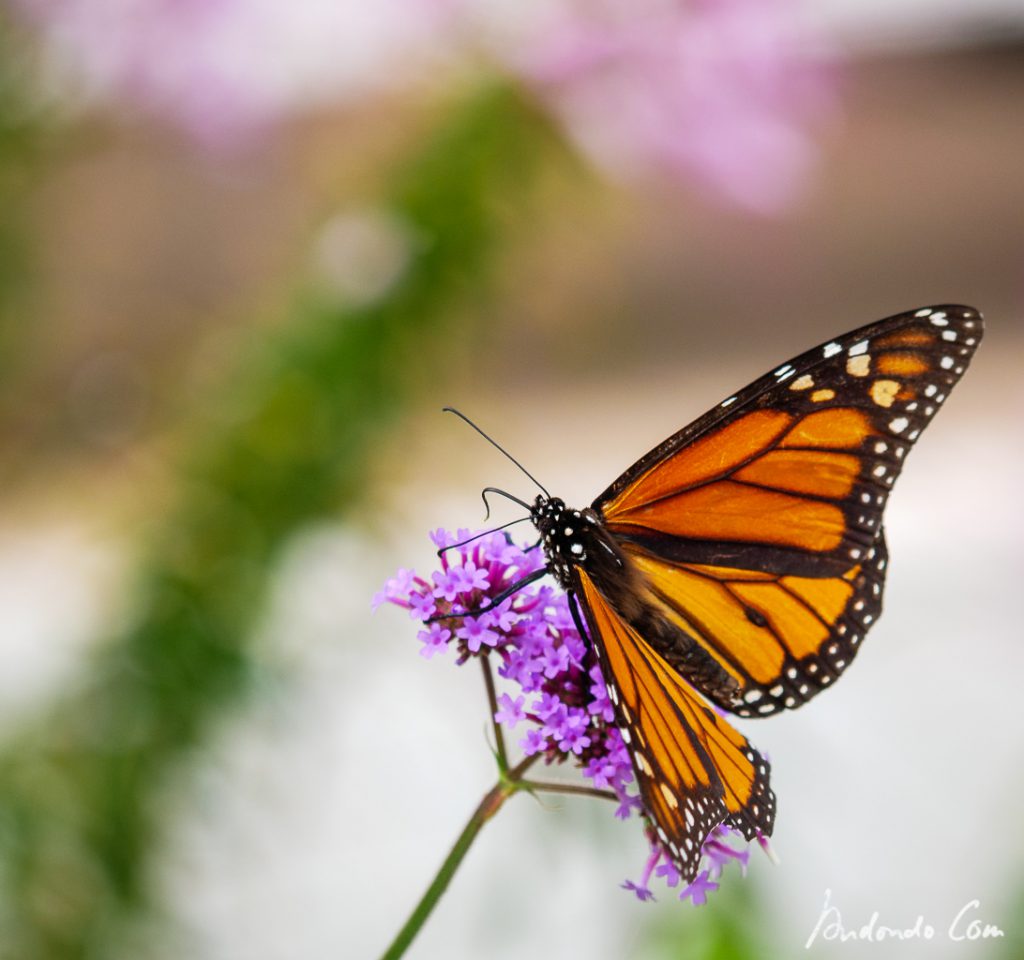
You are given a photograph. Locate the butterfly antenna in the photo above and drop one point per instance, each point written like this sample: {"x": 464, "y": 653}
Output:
{"x": 501, "y": 449}
{"x": 507, "y": 496}
{"x": 462, "y": 543}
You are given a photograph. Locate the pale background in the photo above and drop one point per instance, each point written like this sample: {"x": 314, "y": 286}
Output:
{"x": 311, "y": 820}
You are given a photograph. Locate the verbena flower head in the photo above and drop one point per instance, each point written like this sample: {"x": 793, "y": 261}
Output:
{"x": 556, "y": 701}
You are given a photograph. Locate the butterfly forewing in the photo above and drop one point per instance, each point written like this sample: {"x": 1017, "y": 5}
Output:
{"x": 792, "y": 474}
{"x": 693, "y": 768}
{"x": 758, "y": 528}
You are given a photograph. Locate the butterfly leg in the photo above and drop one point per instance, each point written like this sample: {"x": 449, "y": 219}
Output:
{"x": 495, "y": 601}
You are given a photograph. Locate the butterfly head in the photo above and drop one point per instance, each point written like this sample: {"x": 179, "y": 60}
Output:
{"x": 570, "y": 537}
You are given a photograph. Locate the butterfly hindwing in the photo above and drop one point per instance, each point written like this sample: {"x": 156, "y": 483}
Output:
{"x": 693, "y": 768}
{"x": 782, "y": 638}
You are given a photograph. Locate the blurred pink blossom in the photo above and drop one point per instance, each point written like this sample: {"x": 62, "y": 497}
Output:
{"x": 727, "y": 92}
{"x": 222, "y": 69}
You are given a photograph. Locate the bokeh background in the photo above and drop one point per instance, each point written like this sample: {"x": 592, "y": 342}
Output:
{"x": 247, "y": 252}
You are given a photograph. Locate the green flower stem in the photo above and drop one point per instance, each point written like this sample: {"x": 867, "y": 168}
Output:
{"x": 509, "y": 782}
{"x": 492, "y": 802}
{"x": 579, "y": 789}
{"x": 492, "y": 699}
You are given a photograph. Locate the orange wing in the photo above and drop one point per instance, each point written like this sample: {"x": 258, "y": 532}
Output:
{"x": 759, "y": 527}
{"x": 782, "y": 638}
{"x": 693, "y": 768}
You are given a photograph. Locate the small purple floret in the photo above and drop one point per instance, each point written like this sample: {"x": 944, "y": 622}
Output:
{"x": 697, "y": 892}
{"x": 642, "y": 893}
{"x": 510, "y": 711}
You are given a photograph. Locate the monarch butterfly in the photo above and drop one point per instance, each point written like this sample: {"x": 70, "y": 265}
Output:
{"x": 740, "y": 563}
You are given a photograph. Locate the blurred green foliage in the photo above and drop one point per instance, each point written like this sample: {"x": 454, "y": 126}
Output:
{"x": 24, "y": 129}
{"x": 77, "y": 822}
{"x": 730, "y": 926}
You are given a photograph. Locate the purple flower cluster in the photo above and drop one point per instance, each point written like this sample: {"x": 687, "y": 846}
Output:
{"x": 717, "y": 853}
{"x": 558, "y": 691}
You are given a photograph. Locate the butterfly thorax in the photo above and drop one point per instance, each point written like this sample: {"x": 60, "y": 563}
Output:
{"x": 578, "y": 539}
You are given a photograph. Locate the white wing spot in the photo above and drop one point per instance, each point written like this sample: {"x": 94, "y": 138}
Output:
{"x": 939, "y": 319}
{"x": 752, "y": 696}
{"x": 946, "y": 363}
{"x": 899, "y": 424}
{"x": 858, "y": 348}
{"x": 726, "y": 403}
{"x": 949, "y": 335}
{"x": 802, "y": 383}
{"x": 831, "y": 349}
{"x": 923, "y": 313}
